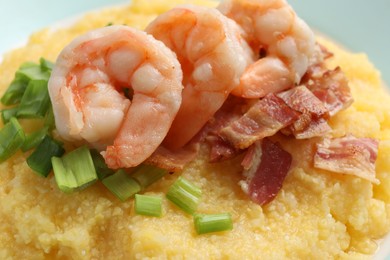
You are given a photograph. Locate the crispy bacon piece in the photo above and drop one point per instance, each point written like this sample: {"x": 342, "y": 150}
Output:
{"x": 348, "y": 155}
{"x": 312, "y": 121}
{"x": 266, "y": 117}
{"x": 267, "y": 165}
{"x": 173, "y": 160}
{"x": 221, "y": 150}
{"x": 329, "y": 86}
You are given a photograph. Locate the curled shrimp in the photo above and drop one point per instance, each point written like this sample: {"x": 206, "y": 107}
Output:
{"x": 213, "y": 56}
{"x": 272, "y": 29}
{"x": 88, "y": 84}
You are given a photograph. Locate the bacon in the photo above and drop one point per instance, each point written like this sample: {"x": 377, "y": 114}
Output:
{"x": 173, "y": 160}
{"x": 268, "y": 167}
{"x": 266, "y": 117}
{"x": 348, "y": 155}
{"x": 312, "y": 121}
{"x": 221, "y": 150}
{"x": 329, "y": 86}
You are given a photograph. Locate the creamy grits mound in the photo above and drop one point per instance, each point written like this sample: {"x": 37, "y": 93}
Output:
{"x": 316, "y": 215}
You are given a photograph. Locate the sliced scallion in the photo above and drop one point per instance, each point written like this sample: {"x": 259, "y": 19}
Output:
{"x": 148, "y": 205}
{"x": 81, "y": 164}
{"x": 46, "y": 65}
{"x": 33, "y": 139}
{"x": 14, "y": 93}
{"x": 49, "y": 119}
{"x": 185, "y": 195}
{"x": 11, "y": 139}
{"x": 122, "y": 185}
{"x": 148, "y": 174}
{"x": 212, "y": 223}
{"x": 35, "y": 101}
{"x": 8, "y": 113}
{"x": 32, "y": 71}
{"x": 40, "y": 159}
{"x": 77, "y": 163}
{"x": 101, "y": 167}
{"x": 65, "y": 179}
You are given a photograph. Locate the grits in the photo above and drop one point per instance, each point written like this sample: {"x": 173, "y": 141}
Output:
{"x": 317, "y": 214}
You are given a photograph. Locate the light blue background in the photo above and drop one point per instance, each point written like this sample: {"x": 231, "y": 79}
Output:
{"x": 360, "y": 25}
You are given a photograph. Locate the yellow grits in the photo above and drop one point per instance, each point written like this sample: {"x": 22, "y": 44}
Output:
{"x": 317, "y": 214}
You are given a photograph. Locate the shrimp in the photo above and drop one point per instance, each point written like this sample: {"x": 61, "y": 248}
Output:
{"x": 272, "y": 29}
{"x": 213, "y": 56}
{"x": 88, "y": 84}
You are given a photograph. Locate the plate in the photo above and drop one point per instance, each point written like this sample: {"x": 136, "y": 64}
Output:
{"x": 355, "y": 24}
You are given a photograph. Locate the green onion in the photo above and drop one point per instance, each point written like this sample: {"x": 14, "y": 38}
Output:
{"x": 33, "y": 139}
{"x": 49, "y": 119}
{"x": 122, "y": 185}
{"x": 185, "y": 195}
{"x": 213, "y": 223}
{"x": 65, "y": 179}
{"x": 147, "y": 175}
{"x": 11, "y": 139}
{"x": 27, "y": 72}
{"x": 46, "y": 65}
{"x": 14, "y": 93}
{"x": 32, "y": 71}
{"x": 148, "y": 205}
{"x": 101, "y": 167}
{"x": 40, "y": 159}
{"x": 79, "y": 164}
{"x": 8, "y": 113}
{"x": 35, "y": 101}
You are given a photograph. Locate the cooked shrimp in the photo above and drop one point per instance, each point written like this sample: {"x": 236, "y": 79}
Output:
{"x": 213, "y": 56}
{"x": 272, "y": 29}
{"x": 87, "y": 91}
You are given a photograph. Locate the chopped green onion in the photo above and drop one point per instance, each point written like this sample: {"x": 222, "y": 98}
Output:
{"x": 27, "y": 72}
{"x": 32, "y": 71}
{"x": 11, "y": 139}
{"x": 148, "y": 205}
{"x": 49, "y": 119}
{"x": 35, "y": 101}
{"x": 122, "y": 185}
{"x": 185, "y": 195}
{"x": 212, "y": 223}
{"x": 79, "y": 164}
{"x": 46, "y": 65}
{"x": 33, "y": 139}
{"x": 8, "y": 113}
{"x": 101, "y": 167}
{"x": 65, "y": 179}
{"x": 14, "y": 93}
{"x": 147, "y": 175}
{"x": 40, "y": 159}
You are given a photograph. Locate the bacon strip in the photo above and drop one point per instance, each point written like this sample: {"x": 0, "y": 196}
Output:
{"x": 266, "y": 117}
{"x": 312, "y": 121}
{"x": 329, "y": 86}
{"x": 173, "y": 160}
{"x": 269, "y": 165}
{"x": 348, "y": 155}
{"x": 221, "y": 150}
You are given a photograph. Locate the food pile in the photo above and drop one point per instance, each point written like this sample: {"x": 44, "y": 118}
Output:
{"x": 232, "y": 118}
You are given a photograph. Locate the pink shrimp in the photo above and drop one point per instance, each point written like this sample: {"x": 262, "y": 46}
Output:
{"x": 272, "y": 29}
{"x": 87, "y": 92}
{"x": 213, "y": 56}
